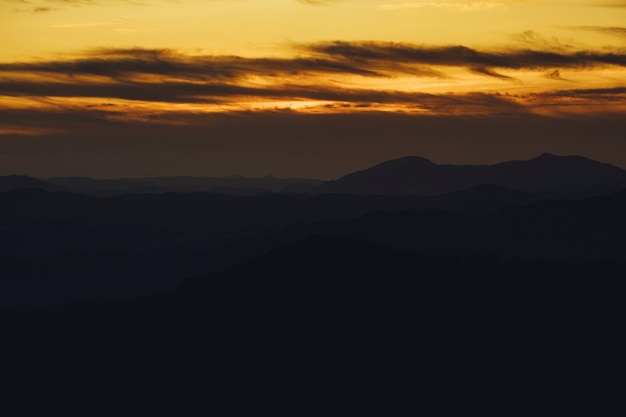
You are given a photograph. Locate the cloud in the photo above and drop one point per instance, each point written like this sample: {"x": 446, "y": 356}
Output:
{"x": 319, "y": 2}
{"x": 535, "y": 40}
{"x": 368, "y": 59}
{"x": 614, "y": 94}
{"x": 45, "y": 6}
{"x": 458, "y": 7}
{"x": 462, "y": 56}
{"x": 43, "y": 9}
{"x": 223, "y": 94}
{"x": 136, "y": 30}
{"x": 82, "y": 25}
{"x": 166, "y": 87}
{"x": 555, "y": 75}
{"x": 132, "y": 112}
{"x": 609, "y": 30}
{"x": 166, "y": 62}
{"x": 615, "y": 4}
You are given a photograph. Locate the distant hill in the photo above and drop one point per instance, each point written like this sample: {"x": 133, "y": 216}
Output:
{"x": 588, "y": 229}
{"x": 18, "y": 182}
{"x": 416, "y": 175}
{"x": 575, "y": 176}
{"x": 35, "y": 222}
{"x": 118, "y": 242}
{"x": 231, "y": 185}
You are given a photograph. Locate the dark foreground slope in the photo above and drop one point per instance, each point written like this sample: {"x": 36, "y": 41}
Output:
{"x": 331, "y": 325}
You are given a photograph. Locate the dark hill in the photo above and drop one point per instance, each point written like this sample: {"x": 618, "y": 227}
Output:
{"x": 172, "y": 235}
{"x": 415, "y": 175}
{"x": 16, "y": 182}
{"x": 233, "y": 185}
{"x": 593, "y": 228}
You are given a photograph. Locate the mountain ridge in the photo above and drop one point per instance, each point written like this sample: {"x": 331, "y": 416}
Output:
{"x": 418, "y": 175}
{"x": 406, "y": 175}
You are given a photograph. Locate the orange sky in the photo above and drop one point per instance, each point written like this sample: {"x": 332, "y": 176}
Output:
{"x": 159, "y": 79}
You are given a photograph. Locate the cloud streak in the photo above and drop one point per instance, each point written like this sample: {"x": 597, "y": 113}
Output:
{"x": 329, "y": 77}
{"x": 82, "y": 25}
{"x": 457, "y": 7}
{"x": 461, "y": 56}
{"x": 609, "y": 30}
{"x": 120, "y": 62}
{"x": 366, "y": 59}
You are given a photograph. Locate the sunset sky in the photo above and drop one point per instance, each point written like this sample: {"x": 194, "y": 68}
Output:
{"x": 319, "y": 88}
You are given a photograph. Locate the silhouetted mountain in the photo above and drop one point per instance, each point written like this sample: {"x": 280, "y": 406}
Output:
{"x": 588, "y": 229}
{"x": 36, "y": 222}
{"x": 171, "y": 235}
{"x": 16, "y": 182}
{"x": 415, "y": 175}
{"x": 232, "y": 185}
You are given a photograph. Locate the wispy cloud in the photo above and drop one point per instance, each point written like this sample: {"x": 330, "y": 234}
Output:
{"x": 172, "y": 76}
{"x": 615, "y": 4}
{"x": 461, "y": 56}
{"x": 46, "y": 6}
{"x": 82, "y": 25}
{"x": 225, "y": 83}
{"x": 135, "y": 30}
{"x": 166, "y": 62}
{"x": 534, "y": 40}
{"x": 326, "y": 60}
{"x": 609, "y": 30}
{"x": 457, "y": 7}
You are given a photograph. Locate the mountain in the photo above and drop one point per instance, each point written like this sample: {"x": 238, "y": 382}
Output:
{"x": 17, "y": 182}
{"x": 119, "y": 241}
{"x": 416, "y": 175}
{"x": 231, "y": 185}
{"x": 569, "y": 231}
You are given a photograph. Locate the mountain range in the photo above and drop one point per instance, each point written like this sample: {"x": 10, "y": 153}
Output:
{"x": 416, "y": 175}
{"x": 463, "y": 284}
{"x": 49, "y": 229}
{"x": 408, "y": 175}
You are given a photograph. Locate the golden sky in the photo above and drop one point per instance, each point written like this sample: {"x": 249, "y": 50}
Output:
{"x": 159, "y": 83}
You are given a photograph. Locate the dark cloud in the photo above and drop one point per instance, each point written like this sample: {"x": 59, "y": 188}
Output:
{"x": 167, "y": 76}
{"x": 178, "y": 92}
{"x": 610, "y": 30}
{"x": 123, "y": 62}
{"x": 43, "y": 9}
{"x": 615, "y": 4}
{"x": 534, "y": 40}
{"x": 615, "y": 94}
{"x": 462, "y": 56}
{"x": 555, "y": 75}
{"x": 369, "y": 59}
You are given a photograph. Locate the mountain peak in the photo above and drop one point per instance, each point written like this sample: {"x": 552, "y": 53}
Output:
{"x": 404, "y": 162}
{"x": 418, "y": 175}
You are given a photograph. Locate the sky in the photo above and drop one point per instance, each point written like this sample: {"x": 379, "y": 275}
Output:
{"x": 305, "y": 88}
